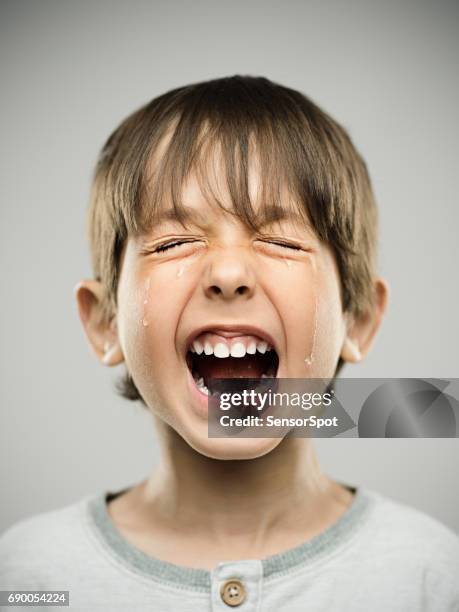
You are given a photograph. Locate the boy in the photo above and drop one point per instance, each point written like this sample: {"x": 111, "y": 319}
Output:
{"x": 233, "y": 234}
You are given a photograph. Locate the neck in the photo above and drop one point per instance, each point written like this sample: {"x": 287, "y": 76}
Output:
{"x": 246, "y": 500}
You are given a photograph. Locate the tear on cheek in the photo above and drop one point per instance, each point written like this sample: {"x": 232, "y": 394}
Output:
{"x": 146, "y": 298}
{"x": 309, "y": 359}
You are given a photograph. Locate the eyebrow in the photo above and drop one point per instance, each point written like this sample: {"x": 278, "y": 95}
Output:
{"x": 267, "y": 216}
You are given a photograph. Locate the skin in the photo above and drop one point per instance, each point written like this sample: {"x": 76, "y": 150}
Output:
{"x": 214, "y": 499}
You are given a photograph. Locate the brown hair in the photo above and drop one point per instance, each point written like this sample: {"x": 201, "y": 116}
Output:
{"x": 297, "y": 146}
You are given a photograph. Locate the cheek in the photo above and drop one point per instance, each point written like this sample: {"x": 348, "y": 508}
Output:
{"x": 312, "y": 317}
{"x": 329, "y": 323}
{"x": 148, "y": 315}
{"x": 330, "y": 331}
{"x": 292, "y": 289}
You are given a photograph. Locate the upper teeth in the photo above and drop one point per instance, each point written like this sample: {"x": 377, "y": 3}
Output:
{"x": 224, "y": 347}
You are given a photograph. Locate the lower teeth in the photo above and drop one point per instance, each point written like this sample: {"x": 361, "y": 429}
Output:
{"x": 200, "y": 384}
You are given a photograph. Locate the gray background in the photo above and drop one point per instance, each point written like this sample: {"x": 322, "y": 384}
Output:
{"x": 72, "y": 70}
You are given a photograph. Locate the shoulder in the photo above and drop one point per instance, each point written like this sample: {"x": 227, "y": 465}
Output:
{"x": 41, "y": 541}
{"x": 406, "y": 526}
{"x": 412, "y": 539}
{"x": 41, "y": 530}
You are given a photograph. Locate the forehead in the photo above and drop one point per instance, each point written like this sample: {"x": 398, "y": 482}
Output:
{"x": 214, "y": 185}
{"x": 198, "y": 212}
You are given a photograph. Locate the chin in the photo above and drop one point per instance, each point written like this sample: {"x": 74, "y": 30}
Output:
{"x": 228, "y": 449}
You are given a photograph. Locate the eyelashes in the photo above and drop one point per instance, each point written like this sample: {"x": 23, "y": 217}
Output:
{"x": 176, "y": 243}
{"x": 286, "y": 245}
{"x": 170, "y": 245}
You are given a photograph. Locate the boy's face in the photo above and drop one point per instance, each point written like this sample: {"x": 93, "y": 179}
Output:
{"x": 280, "y": 285}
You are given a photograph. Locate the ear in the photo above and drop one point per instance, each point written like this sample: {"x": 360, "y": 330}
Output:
{"x": 101, "y": 335}
{"x": 361, "y": 332}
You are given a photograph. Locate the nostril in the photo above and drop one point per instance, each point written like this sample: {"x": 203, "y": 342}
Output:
{"x": 241, "y": 290}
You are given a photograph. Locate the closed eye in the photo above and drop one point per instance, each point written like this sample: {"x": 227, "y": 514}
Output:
{"x": 170, "y": 245}
{"x": 176, "y": 243}
{"x": 287, "y": 245}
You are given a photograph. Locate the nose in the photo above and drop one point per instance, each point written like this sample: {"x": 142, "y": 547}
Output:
{"x": 228, "y": 276}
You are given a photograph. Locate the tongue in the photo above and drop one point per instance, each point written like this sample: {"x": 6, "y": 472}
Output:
{"x": 250, "y": 366}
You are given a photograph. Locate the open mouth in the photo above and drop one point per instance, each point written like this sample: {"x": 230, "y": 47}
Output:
{"x": 212, "y": 357}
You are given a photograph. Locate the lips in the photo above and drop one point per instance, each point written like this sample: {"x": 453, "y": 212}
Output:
{"x": 237, "y": 351}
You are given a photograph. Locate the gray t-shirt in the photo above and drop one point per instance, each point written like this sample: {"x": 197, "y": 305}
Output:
{"x": 380, "y": 556}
